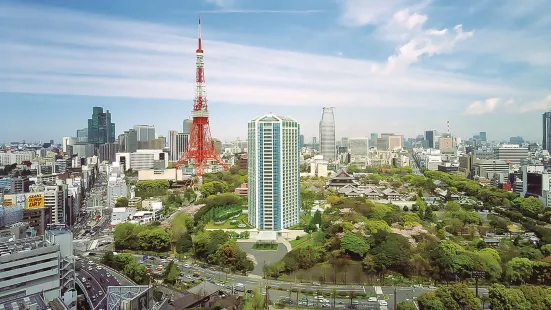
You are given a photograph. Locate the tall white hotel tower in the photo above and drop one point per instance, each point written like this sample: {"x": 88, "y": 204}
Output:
{"x": 328, "y": 145}
{"x": 274, "y": 172}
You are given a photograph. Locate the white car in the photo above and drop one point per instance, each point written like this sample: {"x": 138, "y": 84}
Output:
{"x": 383, "y": 303}
{"x": 372, "y": 299}
{"x": 187, "y": 266}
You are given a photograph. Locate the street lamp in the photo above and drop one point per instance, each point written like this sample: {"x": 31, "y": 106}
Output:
{"x": 478, "y": 275}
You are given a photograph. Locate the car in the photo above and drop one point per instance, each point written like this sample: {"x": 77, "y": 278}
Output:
{"x": 383, "y": 303}
{"x": 187, "y": 266}
{"x": 100, "y": 293}
{"x": 372, "y": 299}
{"x": 316, "y": 284}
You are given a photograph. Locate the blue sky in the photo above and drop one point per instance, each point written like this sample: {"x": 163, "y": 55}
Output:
{"x": 400, "y": 66}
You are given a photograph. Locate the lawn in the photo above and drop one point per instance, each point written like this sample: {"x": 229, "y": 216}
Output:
{"x": 515, "y": 228}
{"x": 265, "y": 247}
{"x": 242, "y": 219}
{"x": 303, "y": 242}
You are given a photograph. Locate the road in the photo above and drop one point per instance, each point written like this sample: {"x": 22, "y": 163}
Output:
{"x": 282, "y": 289}
{"x": 96, "y": 279}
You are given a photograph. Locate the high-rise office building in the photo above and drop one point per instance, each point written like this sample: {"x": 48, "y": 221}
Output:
{"x": 314, "y": 140}
{"x": 328, "y": 145}
{"x": 482, "y": 136}
{"x": 130, "y": 141}
{"x": 108, "y": 151}
{"x": 82, "y": 135}
{"x": 145, "y": 132}
{"x": 182, "y": 141}
{"x": 274, "y": 172}
{"x": 173, "y": 153}
{"x": 187, "y": 125}
{"x": 344, "y": 142}
{"x": 373, "y": 139}
{"x": 429, "y": 138}
{"x": 546, "y": 143}
{"x": 100, "y": 128}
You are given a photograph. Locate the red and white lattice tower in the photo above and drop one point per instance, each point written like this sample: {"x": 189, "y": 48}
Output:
{"x": 201, "y": 146}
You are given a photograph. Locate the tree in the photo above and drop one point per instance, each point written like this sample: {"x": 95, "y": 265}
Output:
{"x": 255, "y": 301}
{"x": 502, "y": 298}
{"x": 184, "y": 243}
{"x": 171, "y": 273}
{"x": 546, "y": 249}
{"x": 519, "y": 270}
{"x": 530, "y": 206}
{"x": 406, "y": 305}
{"x": 156, "y": 239}
{"x": 455, "y": 297}
{"x": 334, "y": 200}
{"x": 122, "y": 202}
{"x": 355, "y": 244}
{"x": 108, "y": 259}
{"x": 213, "y": 187}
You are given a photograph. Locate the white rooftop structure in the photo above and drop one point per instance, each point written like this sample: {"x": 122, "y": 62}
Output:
{"x": 266, "y": 236}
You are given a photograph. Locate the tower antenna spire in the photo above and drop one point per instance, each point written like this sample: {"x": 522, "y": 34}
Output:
{"x": 199, "y": 43}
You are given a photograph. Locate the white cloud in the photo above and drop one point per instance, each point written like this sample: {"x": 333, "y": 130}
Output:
{"x": 429, "y": 43}
{"x": 398, "y": 21}
{"x": 510, "y": 105}
{"x": 374, "y": 12}
{"x": 530, "y": 106}
{"x": 410, "y": 21}
{"x": 81, "y": 54}
{"x": 483, "y": 107}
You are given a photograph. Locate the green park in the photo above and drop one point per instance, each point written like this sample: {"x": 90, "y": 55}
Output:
{"x": 472, "y": 229}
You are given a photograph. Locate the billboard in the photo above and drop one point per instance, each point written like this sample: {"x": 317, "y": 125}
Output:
{"x": 9, "y": 201}
{"x": 35, "y": 201}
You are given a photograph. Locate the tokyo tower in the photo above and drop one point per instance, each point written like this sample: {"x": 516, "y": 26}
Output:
{"x": 201, "y": 146}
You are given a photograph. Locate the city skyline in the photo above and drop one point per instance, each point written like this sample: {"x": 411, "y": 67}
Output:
{"x": 143, "y": 70}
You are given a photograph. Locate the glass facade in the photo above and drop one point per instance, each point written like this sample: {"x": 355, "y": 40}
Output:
{"x": 100, "y": 128}
{"x": 274, "y": 172}
{"x": 328, "y": 145}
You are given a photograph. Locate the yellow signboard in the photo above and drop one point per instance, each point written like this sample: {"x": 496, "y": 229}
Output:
{"x": 9, "y": 200}
{"x": 35, "y": 201}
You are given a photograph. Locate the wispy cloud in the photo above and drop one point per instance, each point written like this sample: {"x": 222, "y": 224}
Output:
{"x": 262, "y": 12}
{"x": 510, "y": 105}
{"x": 399, "y": 21}
{"x": 483, "y": 107}
{"x": 82, "y": 54}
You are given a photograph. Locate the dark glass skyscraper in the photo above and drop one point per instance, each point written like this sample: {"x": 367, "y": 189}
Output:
{"x": 100, "y": 128}
{"x": 546, "y": 143}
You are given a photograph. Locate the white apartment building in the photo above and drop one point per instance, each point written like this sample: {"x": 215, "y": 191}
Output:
{"x": 68, "y": 141}
{"x": 116, "y": 188}
{"x": 511, "y": 153}
{"x": 54, "y": 200}
{"x": 16, "y": 157}
{"x": 274, "y": 172}
{"x": 142, "y": 159}
{"x": 38, "y": 265}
